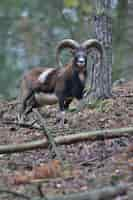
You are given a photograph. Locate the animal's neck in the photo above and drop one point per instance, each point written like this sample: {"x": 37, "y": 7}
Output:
{"x": 80, "y": 75}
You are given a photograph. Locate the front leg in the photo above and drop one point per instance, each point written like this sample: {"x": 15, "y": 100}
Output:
{"x": 61, "y": 116}
{"x": 28, "y": 102}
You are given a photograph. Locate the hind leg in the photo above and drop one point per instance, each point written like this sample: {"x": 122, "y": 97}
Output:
{"x": 27, "y": 104}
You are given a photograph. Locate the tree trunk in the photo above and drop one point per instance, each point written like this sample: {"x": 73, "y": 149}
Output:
{"x": 102, "y": 74}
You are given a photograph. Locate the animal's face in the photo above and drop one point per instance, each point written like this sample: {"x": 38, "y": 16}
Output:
{"x": 80, "y": 59}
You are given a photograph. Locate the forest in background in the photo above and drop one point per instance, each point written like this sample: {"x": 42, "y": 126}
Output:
{"x": 30, "y": 31}
{"x": 90, "y": 156}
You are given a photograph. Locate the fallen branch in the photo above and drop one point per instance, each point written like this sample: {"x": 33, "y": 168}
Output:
{"x": 32, "y": 125}
{"x": 104, "y": 194}
{"x": 23, "y": 125}
{"x": 98, "y": 194}
{"x": 49, "y": 136}
{"x": 68, "y": 139}
{"x": 16, "y": 194}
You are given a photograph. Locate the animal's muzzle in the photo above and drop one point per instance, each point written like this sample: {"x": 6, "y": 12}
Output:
{"x": 81, "y": 62}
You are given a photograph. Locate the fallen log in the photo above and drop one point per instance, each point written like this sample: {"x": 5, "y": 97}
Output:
{"x": 68, "y": 139}
{"x": 105, "y": 193}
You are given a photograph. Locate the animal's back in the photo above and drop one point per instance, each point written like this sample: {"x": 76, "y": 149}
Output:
{"x": 32, "y": 75}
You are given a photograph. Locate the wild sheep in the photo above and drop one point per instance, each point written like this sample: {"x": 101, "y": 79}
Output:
{"x": 60, "y": 84}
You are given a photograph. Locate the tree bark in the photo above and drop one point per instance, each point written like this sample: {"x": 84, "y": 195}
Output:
{"x": 102, "y": 74}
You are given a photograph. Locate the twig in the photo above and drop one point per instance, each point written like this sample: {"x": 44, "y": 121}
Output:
{"x": 91, "y": 161}
{"x": 23, "y": 125}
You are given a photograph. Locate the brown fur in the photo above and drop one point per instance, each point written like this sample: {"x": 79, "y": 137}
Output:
{"x": 54, "y": 80}
{"x": 54, "y": 83}
{"x": 54, "y": 89}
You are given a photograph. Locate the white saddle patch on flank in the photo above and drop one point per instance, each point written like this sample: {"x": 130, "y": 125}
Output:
{"x": 43, "y": 76}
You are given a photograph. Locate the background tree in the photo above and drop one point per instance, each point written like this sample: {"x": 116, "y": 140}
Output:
{"x": 121, "y": 24}
{"x": 102, "y": 74}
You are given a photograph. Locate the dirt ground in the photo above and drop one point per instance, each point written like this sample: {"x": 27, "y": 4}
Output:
{"x": 96, "y": 164}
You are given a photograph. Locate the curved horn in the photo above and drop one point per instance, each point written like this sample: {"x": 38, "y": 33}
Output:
{"x": 93, "y": 43}
{"x": 66, "y": 43}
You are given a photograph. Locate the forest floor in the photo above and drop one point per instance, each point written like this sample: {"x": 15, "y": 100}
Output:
{"x": 93, "y": 164}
